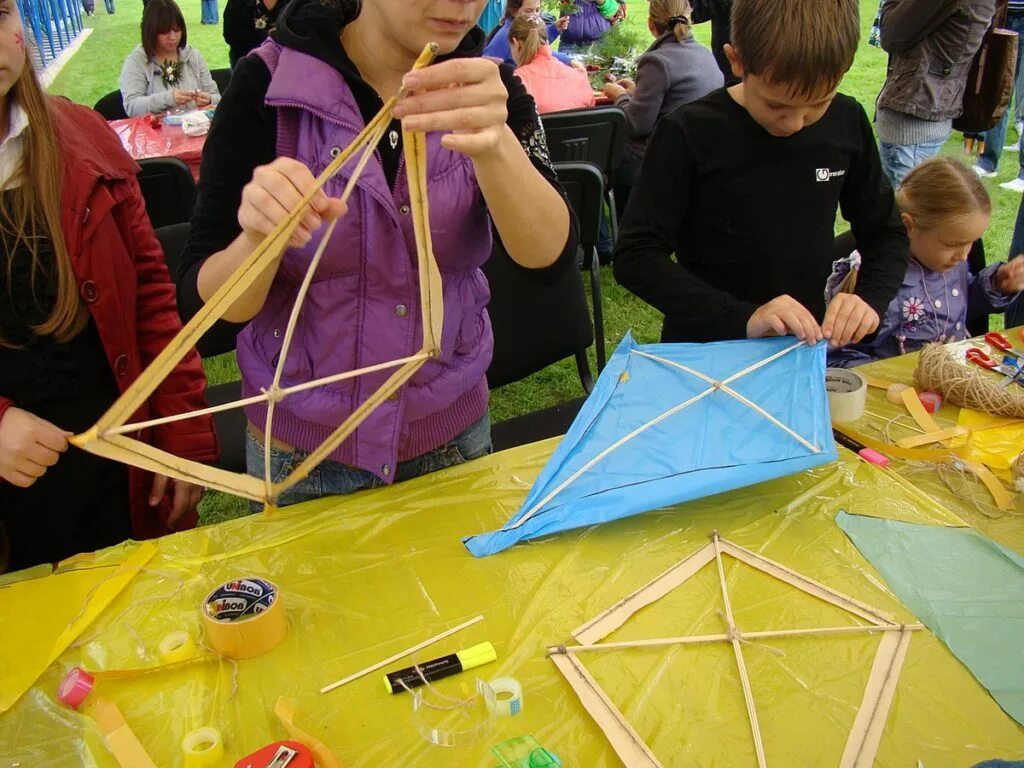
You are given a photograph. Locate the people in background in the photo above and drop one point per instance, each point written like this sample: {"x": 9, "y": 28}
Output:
{"x": 988, "y": 160}
{"x": 931, "y": 44}
{"x": 554, "y": 86}
{"x": 85, "y": 304}
{"x": 743, "y": 186}
{"x": 946, "y": 210}
{"x": 208, "y": 9}
{"x": 589, "y": 22}
{"x": 1015, "y": 312}
{"x": 497, "y": 42}
{"x": 293, "y": 103}
{"x": 247, "y": 24}
{"x": 674, "y": 71}
{"x": 165, "y": 72}
{"x": 717, "y": 12}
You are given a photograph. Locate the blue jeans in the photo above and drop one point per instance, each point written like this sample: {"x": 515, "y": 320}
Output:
{"x": 900, "y": 159}
{"x": 332, "y": 478}
{"x": 209, "y": 11}
{"x": 995, "y": 138}
{"x": 110, "y": 6}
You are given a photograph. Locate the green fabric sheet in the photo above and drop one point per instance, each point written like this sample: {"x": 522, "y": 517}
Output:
{"x": 967, "y": 589}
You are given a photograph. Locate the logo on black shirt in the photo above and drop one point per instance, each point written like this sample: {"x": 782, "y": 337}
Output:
{"x": 825, "y": 174}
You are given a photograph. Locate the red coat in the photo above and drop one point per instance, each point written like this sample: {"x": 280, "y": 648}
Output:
{"x": 124, "y": 281}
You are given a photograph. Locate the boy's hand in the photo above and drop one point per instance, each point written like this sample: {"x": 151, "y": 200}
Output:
{"x": 1010, "y": 277}
{"x": 28, "y": 447}
{"x": 848, "y": 319}
{"x": 781, "y": 316}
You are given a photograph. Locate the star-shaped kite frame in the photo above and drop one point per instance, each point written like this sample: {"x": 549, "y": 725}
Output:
{"x": 866, "y": 733}
{"x": 110, "y": 436}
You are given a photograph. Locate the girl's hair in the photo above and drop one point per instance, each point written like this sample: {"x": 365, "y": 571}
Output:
{"x": 672, "y": 16}
{"x": 940, "y": 189}
{"x": 511, "y": 9}
{"x": 161, "y": 16}
{"x": 31, "y": 211}
{"x": 532, "y": 32}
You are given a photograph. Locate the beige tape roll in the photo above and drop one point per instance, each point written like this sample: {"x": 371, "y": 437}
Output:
{"x": 244, "y": 618}
{"x": 847, "y": 394}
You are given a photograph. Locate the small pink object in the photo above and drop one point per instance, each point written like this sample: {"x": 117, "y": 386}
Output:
{"x": 932, "y": 401}
{"x": 874, "y": 457}
{"x": 75, "y": 687}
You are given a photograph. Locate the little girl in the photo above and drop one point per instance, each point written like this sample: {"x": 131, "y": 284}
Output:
{"x": 497, "y": 41}
{"x": 945, "y": 209}
{"x": 553, "y": 85}
{"x": 85, "y": 304}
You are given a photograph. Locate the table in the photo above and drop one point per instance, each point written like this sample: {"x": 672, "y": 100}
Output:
{"x": 366, "y": 576}
{"x": 142, "y": 139}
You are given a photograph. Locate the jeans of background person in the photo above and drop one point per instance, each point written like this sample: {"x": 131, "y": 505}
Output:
{"x": 89, "y": 6}
{"x": 1015, "y": 313}
{"x": 210, "y": 14}
{"x": 899, "y": 159}
{"x": 332, "y": 478}
{"x": 995, "y": 138}
{"x": 110, "y": 6}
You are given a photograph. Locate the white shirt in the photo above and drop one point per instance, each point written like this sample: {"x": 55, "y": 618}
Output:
{"x": 11, "y": 147}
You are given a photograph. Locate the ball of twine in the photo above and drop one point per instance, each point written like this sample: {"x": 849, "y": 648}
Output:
{"x": 963, "y": 386}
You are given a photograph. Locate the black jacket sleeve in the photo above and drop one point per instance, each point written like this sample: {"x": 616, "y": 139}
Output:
{"x": 867, "y": 202}
{"x": 651, "y": 231}
{"x": 242, "y": 136}
{"x": 904, "y": 23}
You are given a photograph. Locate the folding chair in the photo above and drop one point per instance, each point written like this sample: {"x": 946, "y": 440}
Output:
{"x": 221, "y": 77}
{"x": 111, "y": 106}
{"x": 169, "y": 190}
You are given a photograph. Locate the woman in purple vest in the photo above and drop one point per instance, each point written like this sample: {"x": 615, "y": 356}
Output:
{"x": 294, "y": 103}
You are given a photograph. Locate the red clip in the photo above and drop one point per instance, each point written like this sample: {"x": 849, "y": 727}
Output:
{"x": 280, "y": 754}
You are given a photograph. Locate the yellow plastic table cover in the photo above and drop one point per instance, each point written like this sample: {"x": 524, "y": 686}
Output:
{"x": 367, "y": 576}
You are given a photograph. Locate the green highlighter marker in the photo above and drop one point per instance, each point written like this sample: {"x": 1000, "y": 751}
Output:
{"x": 410, "y": 677}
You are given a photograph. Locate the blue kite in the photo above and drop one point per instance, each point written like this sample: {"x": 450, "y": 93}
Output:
{"x": 668, "y": 423}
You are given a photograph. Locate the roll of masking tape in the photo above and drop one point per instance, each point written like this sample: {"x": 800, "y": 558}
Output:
{"x": 244, "y": 618}
{"x": 847, "y": 394}
{"x": 177, "y": 646}
{"x": 202, "y": 748}
{"x": 508, "y": 696}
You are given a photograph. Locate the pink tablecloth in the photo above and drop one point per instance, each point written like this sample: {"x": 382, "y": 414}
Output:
{"x": 141, "y": 139}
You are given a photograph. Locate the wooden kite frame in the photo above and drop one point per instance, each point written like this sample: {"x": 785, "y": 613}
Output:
{"x": 866, "y": 733}
{"x": 109, "y": 436}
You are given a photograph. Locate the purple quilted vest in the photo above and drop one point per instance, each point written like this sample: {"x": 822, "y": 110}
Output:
{"x": 363, "y": 305}
{"x": 586, "y": 26}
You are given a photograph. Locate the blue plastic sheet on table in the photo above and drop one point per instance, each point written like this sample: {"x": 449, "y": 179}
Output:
{"x": 669, "y": 423}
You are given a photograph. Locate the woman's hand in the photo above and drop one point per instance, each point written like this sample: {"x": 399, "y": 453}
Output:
{"x": 28, "y": 447}
{"x": 562, "y": 24}
{"x": 203, "y": 99}
{"x": 613, "y": 90}
{"x": 275, "y": 189}
{"x": 186, "y": 497}
{"x": 463, "y": 97}
{"x": 1010, "y": 277}
{"x": 181, "y": 98}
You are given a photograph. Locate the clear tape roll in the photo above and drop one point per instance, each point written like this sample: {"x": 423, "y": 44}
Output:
{"x": 847, "y": 394}
{"x": 453, "y": 722}
{"x": 202, "y": 747}
{"x": 507, "y": 696}
{"x": 177, "y": 646}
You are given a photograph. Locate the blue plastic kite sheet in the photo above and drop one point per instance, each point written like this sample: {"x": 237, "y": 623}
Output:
{"x": 668, "y": 423}
{"x": 966, "y": 589}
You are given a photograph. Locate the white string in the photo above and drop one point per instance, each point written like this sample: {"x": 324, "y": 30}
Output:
{"x": 643, "y": 428}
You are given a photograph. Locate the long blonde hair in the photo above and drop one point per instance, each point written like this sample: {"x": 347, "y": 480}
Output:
{"x": 672, "y": 15}
{"x": 532, "y": 32}
{"x": 941, "y": 189}
{"x": 30, "y": 212}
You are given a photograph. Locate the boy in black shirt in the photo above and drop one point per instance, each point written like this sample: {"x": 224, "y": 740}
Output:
{"x": 743, "y": 186}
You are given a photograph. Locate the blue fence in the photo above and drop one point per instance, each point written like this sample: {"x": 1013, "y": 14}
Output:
{"x": 51, "y": 26}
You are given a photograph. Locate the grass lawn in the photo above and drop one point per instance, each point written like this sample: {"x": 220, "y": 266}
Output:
{"x": 95, "y": 69}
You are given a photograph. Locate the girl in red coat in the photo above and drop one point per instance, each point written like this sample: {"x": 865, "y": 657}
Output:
{"x": 85, "y": 303}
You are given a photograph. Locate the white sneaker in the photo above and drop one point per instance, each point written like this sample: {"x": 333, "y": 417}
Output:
{"x": 1015, "y": 147}
{"x": 983, "y": 173}
{"x": 1017, "y": 185}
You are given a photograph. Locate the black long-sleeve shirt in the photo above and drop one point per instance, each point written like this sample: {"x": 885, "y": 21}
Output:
{"x": 750, "y": 216}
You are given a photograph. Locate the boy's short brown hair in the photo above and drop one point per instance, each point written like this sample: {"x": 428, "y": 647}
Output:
{"x": 806, "y": 44}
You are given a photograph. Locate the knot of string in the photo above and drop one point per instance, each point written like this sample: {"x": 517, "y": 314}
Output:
{"x": 273, "y": 393}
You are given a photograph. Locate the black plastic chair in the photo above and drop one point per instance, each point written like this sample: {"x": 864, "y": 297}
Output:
{"x": 169, "y": 190}
{"x": 111, "y": 106}
{"x": 584, "y": 186}
{"x": 230, "y": 425}
{"x": 221, "y": 77}
{"x": 538, "y": 318}
{"x": 597, "y": 136}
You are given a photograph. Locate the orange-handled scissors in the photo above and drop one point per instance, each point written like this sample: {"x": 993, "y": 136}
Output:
{"x": 999, "y": 341}
{"x": 981, "y": 359}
